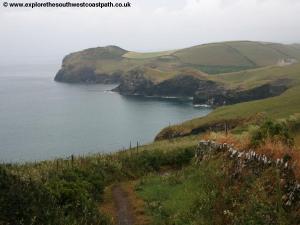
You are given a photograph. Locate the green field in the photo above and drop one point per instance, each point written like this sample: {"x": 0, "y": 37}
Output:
{"x": 147, "y": 55}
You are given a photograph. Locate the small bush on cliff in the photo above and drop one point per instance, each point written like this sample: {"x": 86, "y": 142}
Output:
{"x": 270, "y": 130}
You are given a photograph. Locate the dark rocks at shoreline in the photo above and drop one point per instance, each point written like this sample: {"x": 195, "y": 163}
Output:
{"x": 136, "y": 83}
{"x": 203, "y": 91}
{"x": 219, "y": 97}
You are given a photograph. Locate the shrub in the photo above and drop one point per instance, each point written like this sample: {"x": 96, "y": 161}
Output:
{"x": 276, "y": 131}
{"x": 25, "y": 202}
{"x": 66, "y": 198}
{"x": 293, "y": 122}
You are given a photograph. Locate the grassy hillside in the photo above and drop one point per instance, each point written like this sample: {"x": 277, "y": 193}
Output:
{"x": 212, "y": 58}
{"x": 281, "y": 106}
{"x": 219, "y": 54}
{"x": 69, "y": 191}
{"x": 239, "y": 53}
{"x": 170, "y": 187}
{"x": 254, "y": 78}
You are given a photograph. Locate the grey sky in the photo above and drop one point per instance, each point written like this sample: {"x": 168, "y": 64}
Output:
{"x": 148, "y": 25}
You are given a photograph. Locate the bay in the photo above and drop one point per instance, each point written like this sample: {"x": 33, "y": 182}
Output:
{"x": 42, "y": 119}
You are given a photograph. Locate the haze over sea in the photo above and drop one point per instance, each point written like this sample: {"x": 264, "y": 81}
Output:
{"x": 42, "y": 119}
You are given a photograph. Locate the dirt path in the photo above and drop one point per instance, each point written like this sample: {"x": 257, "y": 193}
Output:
{"x": 124, "y": 211}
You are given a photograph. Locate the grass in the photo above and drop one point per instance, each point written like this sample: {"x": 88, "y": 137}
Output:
{"x": 107, "y": 205}
{"x": 216, "y": 54}
{"x": 115, "y": 161}
{"x": 147, "y": 55}
{"x": 253, "y": 78}
{"x": 205, "y": 194}
{"x": 169, "y": 197}
{"x": 260, "y": 54}
{"x": 222, "y": 69}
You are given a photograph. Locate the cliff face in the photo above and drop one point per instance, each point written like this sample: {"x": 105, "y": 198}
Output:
{"x": 94, "y": 65}
{"x": 203, "y": 91}
{"x": 136, "y": 83}
{"x": 86, "y": 75}
{"x": 221, "y": 96}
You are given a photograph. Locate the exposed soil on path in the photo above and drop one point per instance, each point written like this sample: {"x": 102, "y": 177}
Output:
{"x": 123, "y": 207}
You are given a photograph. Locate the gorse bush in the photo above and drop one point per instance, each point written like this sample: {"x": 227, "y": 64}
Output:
{"x": 66, "y": 198}
{"x": 270, "y": 130}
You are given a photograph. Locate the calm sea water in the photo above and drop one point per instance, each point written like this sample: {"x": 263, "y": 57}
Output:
{"x": 41, "y": 119}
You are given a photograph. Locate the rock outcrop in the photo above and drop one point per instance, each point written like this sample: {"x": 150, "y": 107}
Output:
{"x": 86, "y": 75}
{"x": 87, "y": 66}
{"x": 135, "y": 83}
{"x": 203, "y": 91}
{"x": 221, "y": 96}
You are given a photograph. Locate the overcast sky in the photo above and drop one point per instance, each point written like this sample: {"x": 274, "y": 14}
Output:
{"x": 149, "y": 25}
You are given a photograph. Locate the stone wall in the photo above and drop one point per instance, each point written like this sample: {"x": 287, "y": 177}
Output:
{"x": 256, "y": 163}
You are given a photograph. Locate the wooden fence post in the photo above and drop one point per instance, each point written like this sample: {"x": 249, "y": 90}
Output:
{"x": 72, "y": 160}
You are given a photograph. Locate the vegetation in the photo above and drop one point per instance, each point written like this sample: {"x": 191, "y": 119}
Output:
{"x": 208, "y": 194}
{"x": 212, "y": 192}
{"x": 174, "y": 189}
{"x": 68, "y": 197}
{"x": 272, "y": 131}
{"x": 69, "y": 191}
{"x": 212, "y": 58}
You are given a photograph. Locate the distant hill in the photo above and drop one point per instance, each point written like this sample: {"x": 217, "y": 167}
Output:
{"x": 189, "y": 72}
{"x": 98, "y": 64}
